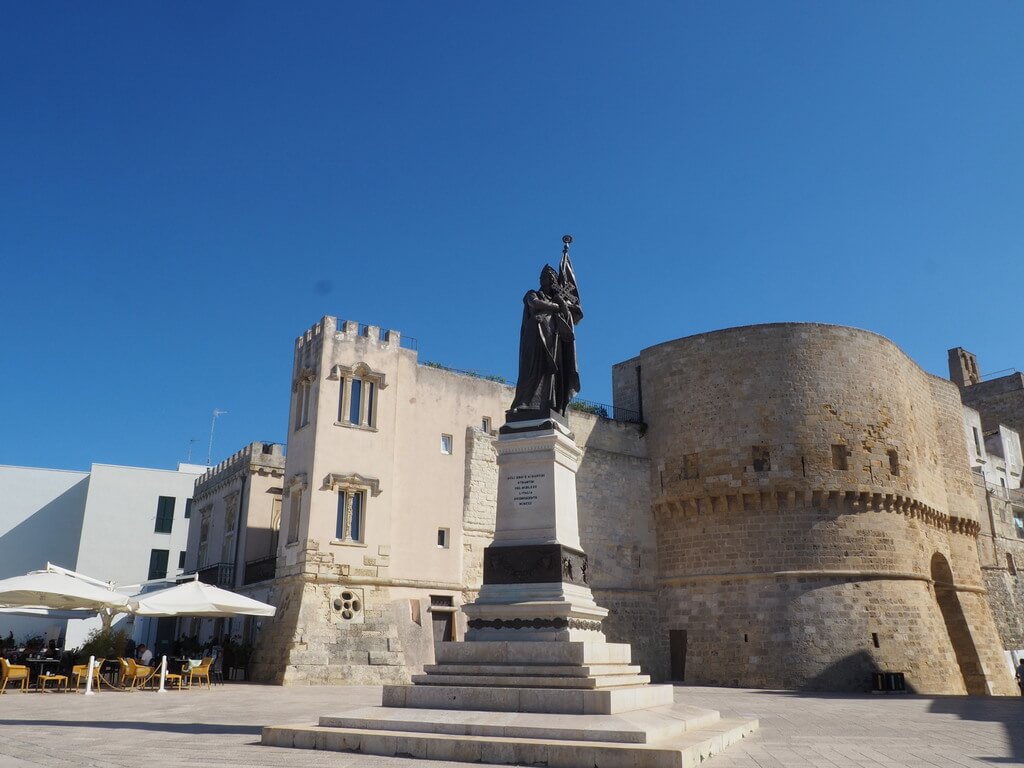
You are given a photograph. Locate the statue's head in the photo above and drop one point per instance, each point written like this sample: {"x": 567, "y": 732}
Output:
{"x": 548, "y": 277}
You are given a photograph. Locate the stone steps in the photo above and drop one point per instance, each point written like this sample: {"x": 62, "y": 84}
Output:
{"x": 685, "y": 750}
{"x": 640, "y": 727}
{"x": 569, "y": 701}
{"x": 572, "y": 653}
{"x": 539, "y": 681}
{"x": 564, "y": 670}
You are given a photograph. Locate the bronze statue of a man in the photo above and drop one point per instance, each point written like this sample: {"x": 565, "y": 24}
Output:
{"x": 548, "y": 374}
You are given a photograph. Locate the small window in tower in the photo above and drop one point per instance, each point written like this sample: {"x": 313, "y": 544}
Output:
{"x": 691, "y": 466}
{"x": 1010, "y": 565}
{"x": 894, "y": 462}
{"x": 874, "y": 639}
{"x": 442, "y": 538}
{"x": 977, "y": 441}
{"x": 762, "y": 458}
{"x": 485, "y": 425}
{"x": 446, "y": 444}
{"x": 840, "y": 457}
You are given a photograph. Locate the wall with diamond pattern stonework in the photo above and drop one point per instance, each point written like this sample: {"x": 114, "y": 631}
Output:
{"x": 815, "y": 513}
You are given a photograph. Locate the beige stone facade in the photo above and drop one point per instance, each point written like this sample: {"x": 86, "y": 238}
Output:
{"x": 815, "y": 513}
{"x": 798, "y": 510}
{"x": 233, "y": 533}
{"x": 388, "y": 501}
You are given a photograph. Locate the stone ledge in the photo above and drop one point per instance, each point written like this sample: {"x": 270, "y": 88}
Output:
{"x": 686, "y": 751}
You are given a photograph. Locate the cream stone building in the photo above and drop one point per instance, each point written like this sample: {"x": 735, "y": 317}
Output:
{"x": 787, "y": 505}
{"x": 993, "y": 422}
{"x": 233, "y": 539}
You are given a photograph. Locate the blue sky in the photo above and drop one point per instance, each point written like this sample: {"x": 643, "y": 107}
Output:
{"x": 186, "y": 187}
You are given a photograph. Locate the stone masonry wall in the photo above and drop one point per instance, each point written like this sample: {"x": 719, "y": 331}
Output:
{"x": 1001, "y": 551}
{"x": 999, "y": 401}
{"x": 807, "y": 481}
{"x": 335, "y": 625}
{"x": 479, "y": 507}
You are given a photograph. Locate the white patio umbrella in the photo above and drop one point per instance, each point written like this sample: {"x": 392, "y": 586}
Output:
{"x": 39, "y": 611}
{"x": 194, "y": 598}
{"x": 56, "y": 588}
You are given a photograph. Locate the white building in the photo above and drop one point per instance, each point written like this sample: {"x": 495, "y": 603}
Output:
{"x": 120, "y": 524}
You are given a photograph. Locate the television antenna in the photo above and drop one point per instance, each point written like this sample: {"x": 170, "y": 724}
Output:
{"x": 213, "y": 423}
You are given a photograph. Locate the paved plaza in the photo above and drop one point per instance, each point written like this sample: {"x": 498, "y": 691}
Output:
{"x": 222, "y": 728}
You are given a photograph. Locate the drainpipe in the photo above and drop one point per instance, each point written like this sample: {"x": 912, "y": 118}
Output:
{"x": 991, "y": 525}
{"x": 243, "y": 524}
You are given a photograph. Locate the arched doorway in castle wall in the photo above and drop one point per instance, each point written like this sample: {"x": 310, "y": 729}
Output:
{"x": 957, "y": 628}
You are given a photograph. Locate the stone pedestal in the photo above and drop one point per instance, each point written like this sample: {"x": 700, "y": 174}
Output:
{"x": 536, "y": 574}
{"x": 535, "y": 681}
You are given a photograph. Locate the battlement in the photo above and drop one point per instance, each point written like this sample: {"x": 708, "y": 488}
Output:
{"x": 260, "y": 455}
{"x": 351, "y": 329}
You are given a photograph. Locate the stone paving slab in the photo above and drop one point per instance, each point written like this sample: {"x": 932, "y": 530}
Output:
{"x": 222, "y": 728}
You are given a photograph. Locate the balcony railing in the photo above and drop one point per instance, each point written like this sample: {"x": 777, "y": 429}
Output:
{"x": 220, "y": 575}
{"x": 260, "y": 570}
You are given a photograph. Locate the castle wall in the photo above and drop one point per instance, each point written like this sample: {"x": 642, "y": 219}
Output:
{"x": 999, "y": 401}
{"x": 805, "y": 477}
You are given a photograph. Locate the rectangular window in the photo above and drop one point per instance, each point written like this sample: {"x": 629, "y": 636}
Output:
{"x": 302, "y": 405}
{"x": 227, "y": 547}
{"x": 355, "y": 401}
{"x": 348, "y": 525}
{"x": 446, "y": 444}
{"x": 371, "y": 396}
{"x": 294, "y": 500}
{"x": 164, "y": 514}
{"x": 977, "y": 441}
{"x": 1018, "y": 523}
{"x": 894, "y": 462}
{"x": 339, "y": 523}
{"x": 357, "y": 516}
{"x": 204, "y": 533}
{"x": 158, "y": 563}
{"x": 691, "y": 466}
{"x": 442, "y": 538}
{"x": 762, "y": 458}
{"x": 839, "y": 457}
{"x": 485, "y": 425}
{"x": 275, "y": 523}
{"x": 181, "y": 561}
{"x": 188, "y": 508}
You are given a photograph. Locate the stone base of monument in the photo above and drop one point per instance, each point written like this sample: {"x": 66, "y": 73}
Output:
{"x": 535, "y": 682}
{"x": 568, "y": 704}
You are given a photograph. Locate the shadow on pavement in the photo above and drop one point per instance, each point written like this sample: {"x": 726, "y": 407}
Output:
{"x": 1008, "y": 710}
{"x": 196, "y": 729}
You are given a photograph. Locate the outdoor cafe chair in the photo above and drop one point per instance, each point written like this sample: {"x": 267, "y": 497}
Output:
{"x": 9, "y": 672}
{"x": 200, "y": 673}
{"x": 81, "y": 671}
{"x": 134, "y": 674}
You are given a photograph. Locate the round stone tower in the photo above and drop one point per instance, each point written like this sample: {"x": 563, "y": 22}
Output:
{"x": 815, "y": 513}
